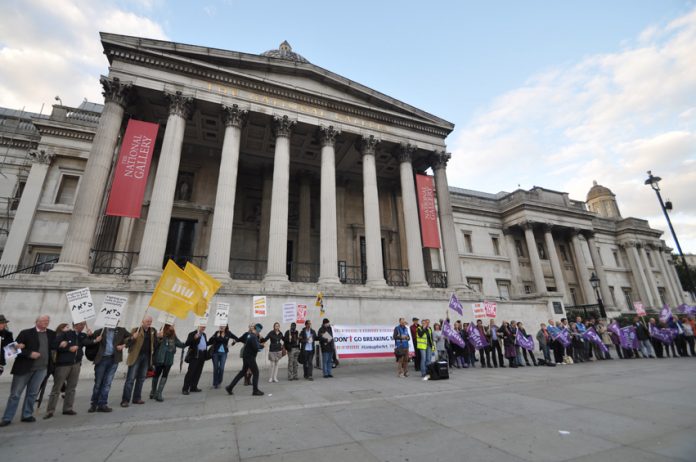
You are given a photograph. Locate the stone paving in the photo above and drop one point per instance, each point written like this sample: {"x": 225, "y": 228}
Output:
{"x": 633, "y": 410}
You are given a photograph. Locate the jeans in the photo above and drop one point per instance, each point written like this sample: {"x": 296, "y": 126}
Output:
{"x": 426, "y": 356}
{"x": 136, "y": 373}
{"x": 547, "y": 353}
{"x": 103, "y": 376}
{"x": 307, "y": 366}
{"x": 646, "y": 348}
{"x": 326, "y": 362}
{"x": 518, "y": 356}
{"x": 32, "y": 382}
{"x": 219, "y": 360}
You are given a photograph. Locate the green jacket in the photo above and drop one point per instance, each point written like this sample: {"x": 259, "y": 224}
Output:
{"x": 166, "y": 350}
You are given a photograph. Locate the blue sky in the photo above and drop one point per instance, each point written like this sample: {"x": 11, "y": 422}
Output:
{"x": 548, "y": 93}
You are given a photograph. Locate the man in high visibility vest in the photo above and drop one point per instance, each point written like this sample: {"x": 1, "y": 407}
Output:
{"x": 425, "y": 345}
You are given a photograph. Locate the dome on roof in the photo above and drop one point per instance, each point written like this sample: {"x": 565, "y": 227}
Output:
{"x": 285, "y": 52}
{"x": 597, "y": 190}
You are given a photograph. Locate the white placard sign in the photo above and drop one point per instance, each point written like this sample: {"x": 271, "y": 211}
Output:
{"x": 289, "y": 313}
{"x": 166, "y": 318}
{"x": 81, "y": 305}
{"x": 111, "y": 310}
{"x": 260, "y": 306}
{"x": 222, "y": 313}
{"x": 202, "y": 320}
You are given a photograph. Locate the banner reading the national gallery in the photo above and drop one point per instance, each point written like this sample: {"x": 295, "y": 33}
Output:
{"x": 365, "y": 341}
{"x": 428, "y": 213}
{"x": 128, "y": 187}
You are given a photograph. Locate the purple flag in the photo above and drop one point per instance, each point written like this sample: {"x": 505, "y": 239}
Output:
{"x": 665, "y": 314}
{"x": 452, "y": 335}
{"x": 525, "y": 342}
{"x": 475, "y": 338}
{"x": 687, "y": 310}
{"x": 591, "y": 335}
{"x": 663, "y": 335}
{"x": 563, "y": 336}
{"x": 455, "y": 305}
{"x": 628, "y": 338}
{"x": 614, "y": 327}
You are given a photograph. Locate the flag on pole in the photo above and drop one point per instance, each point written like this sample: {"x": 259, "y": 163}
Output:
{"x": 208, "y": 284}
{"x": 176, "y": 292}
{"x": 452, "y": 335}
{"x": 665, "y": 314}
{"x": 524, "y": 341}
{"x": 455, "y": 305}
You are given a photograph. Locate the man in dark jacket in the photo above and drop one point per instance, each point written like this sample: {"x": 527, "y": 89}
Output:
{"x": 197, "y": 342}
{"x": 29, "y": 369}
{"x": 414, "y": 335}
{"x": 308, "y": 338}
{"x": 68, "y": 364}
{"x": 111, "y": 343}
{"x": 328, "y": 346}
{"x": 141, "y": 349}
{"x": 251, "y": 349}
{"x": 5, "y": 339}
{"x": 643, "y": 338}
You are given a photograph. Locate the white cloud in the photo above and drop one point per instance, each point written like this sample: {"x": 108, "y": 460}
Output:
{"x": 53, "y": 48}
{"x": 608, "y": 117}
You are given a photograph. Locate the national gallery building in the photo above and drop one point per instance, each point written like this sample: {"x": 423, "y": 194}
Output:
{"x": 281, "y": 178}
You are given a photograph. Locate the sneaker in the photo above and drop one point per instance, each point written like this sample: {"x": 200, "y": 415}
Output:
{"x": 427, "y": 377}
{"x": 70, "y": 412}
{"x": 124, "y": 404}
{"x": 104, "y": 409}
{"x": 401, "y": 375}
{"x": 270, "y": 380}
{"x": 29, "y": 419}
{"x": 92, "y": 408}
{"x": 310, "y": 379}
{"x": 257, "y": 393}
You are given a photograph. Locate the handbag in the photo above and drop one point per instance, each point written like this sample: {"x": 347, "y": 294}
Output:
{"x": 209, "y": 352}
{"x": 302, "y": 358}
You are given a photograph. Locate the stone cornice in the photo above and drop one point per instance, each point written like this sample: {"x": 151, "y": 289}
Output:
{"x": 220, "y": 76}
{"x": 17, "y": 143}
{"x": 63, "y": 132}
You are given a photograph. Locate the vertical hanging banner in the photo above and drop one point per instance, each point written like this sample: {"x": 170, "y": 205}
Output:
{"x": 128, "y": 187}
{"x": 428, "y": 213}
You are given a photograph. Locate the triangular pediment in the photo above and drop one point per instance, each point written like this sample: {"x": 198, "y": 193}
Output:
{"x": 295, "y": 75}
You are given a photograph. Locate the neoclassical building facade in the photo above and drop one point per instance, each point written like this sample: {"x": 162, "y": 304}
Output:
{"x": 282, "y": 178}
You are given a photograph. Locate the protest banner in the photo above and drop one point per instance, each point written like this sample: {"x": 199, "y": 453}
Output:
{"x": 524, "y": 341}
{"x": 110, "y": 313}
{"x": 628, "y": 338}
{"x": 301, "y": 313}
{"x": 686, "y": 310}
{"x": 479, "y": 310}
{"x": 354, "y": 342}
{"x": 665, "y": 314}
{"x": 259, "y": 306}
{"x": 81, "y": 305}
{"x": 640, "y": 309}
{"x": 202, "y": 321}
{"x": 452, "y": 335}
{"x": 663, "y": 335}
{"x": 475, "y": 338}
{"x": 222, "y": 313}
{"x": 562, "y": 336}
{"x": 491, "y": 309}
{"x": 454, "y": 304}
{"x": 289, "y": 313}
{"x": 591, "y": 335}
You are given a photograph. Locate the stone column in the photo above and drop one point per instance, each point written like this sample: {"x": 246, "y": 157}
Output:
{"x": 159, "y": 213}
{"x": 650, "y": 276}
{"x": 223, "y": 217}
{"x": 414, "y": 249}
{"x": 672, "y": 271}
{"x": 373, "y": 233}
{"x": 265, "y": 219}
{"x": 669, "y": 287}
{"x": 556, "y": 267}
{"x": 278, "y": 229}
{"x": 599, "y": 269}
{"x": 638, "y": 274}
{"x": 581, "y": 265}
{"x": 74, "y": 256}
{"x": 438, "y": 162}
{"x": 534, "y": 259}
{"x": 328, "y": 238}
{"x": 304, "y": 230}
{"x": 516, "y": 283}
{"x": 24, "y": 216}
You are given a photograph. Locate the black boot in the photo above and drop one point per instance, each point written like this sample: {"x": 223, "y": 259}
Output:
{"x": 160, "y": 389}
{"x": 153, "y": 392}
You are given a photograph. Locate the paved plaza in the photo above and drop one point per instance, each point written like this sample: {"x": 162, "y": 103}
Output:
{"x": 634, "y": 410}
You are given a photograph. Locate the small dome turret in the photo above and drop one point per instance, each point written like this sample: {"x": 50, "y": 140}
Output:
{"x": 285, "y": 52}
{"x": 602, "y": 201}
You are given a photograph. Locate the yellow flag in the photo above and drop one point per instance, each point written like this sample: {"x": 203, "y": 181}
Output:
{"x": 176, "y": 292}
{"x": 209, "y": 286}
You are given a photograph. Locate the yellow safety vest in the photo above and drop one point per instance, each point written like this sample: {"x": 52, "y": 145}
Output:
{"x": 422, "y": 340}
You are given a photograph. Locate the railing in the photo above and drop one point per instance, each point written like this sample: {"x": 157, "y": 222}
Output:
{"x": 198, "y": 260}
{"x": 112, "y": 262}
{"x": 304, "y": 272}
{"x": 584, "y": 311}
{"x": 247, "y": 270}
{"x": 437, "y": 279}
{"x": 8, "y": 271}
{"x": 396, "y": 277}
{"x": 348, "y": 274}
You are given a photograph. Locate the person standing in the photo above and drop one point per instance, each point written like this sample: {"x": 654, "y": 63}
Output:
{"x": 197, "y": 343}
{"x": 494, "y": 341}
{"x": 308, "y": 337}
{"x": 68, "y": 364}
{"x": 439, "y": 341}
{"x": 29, "y": 369}
{"x": 111, "y": 343}
{"x": 424, "y": 343}
{"x": 643, "y": 338}
{"x": 291, "y": 343}
{"x": 522, "y": 331}
{"x": 326, "y": 340}
{"x": 401, "y": 339}
{"x": 544, "y": 339}
{"x": 6, "y": 338}
{"x": 219, "y": 342}
{"x": 167, "y": 343}
{"x": 414, "y": 337}
{"x": 251, "y": 349}
{"x": 275, "y": 350}
{"x": 485, "y": 352}
{"x": 688, "y": 326}
{"x": 141, "y": 349}
{"x": 509, "y": 343}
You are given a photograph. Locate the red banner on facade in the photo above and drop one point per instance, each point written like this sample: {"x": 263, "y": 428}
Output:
{"x": 428, "y": 213}
{"x": 128, "y": 187}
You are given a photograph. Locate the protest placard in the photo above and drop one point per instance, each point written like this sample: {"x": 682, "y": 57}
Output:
{"x": 301, "y": 313}
{"x": 202, "y": 321}
{"x": 479, "y": 310}
{"x": 491, "y": 309}
{"x": 289, "y": 313}
{"x": 111, "y": 310}
{"x": 222, "y": 313}
{"x": 81, "y": 305}
{"x": 11, "y": 350}
{"x": 166, "y": 318}
{"x": 260, "y": 308}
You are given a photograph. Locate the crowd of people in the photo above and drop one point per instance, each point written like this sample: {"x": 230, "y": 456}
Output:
{"x": 151, "y": 353}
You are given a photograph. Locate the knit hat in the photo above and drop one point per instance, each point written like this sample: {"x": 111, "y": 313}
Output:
{"x": 325, "y": 321}
{"x": 258, "y": 327}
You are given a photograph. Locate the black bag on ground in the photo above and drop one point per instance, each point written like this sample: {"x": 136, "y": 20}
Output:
{"x": 438, "y": 370}
{"x": 551, "y": 364}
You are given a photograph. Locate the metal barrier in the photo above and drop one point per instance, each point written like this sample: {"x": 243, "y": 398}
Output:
{"x": 396, "y": 277}
{"x": 112, "y": 262}
{"x": 9, "y": 271}
{"x": 198, "y": 260}
{"x": 304, "y": 272}
{"x": 349, "y": 274}
{"x": 436, "y": 279}
{"x": 247, "y": 270}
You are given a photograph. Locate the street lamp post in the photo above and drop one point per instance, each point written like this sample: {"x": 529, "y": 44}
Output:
{"x": 594, "y": 280}
{"x": 654, "y": 181}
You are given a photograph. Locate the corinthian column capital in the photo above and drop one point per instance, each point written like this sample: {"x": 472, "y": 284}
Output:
{"x": 405, "y": 151}
{"x": 327, "y": 135}
{"x": 368, "y": 144}
{"x": 233, "y": 116}
{"x": 179, "y": 104}
{"x": 115, "y": 91}
{"x": 283, "y": 125}
{"x": 42, "y": 156}
{"x": 439, "y": 159}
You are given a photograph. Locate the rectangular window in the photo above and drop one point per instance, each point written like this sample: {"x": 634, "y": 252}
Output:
{"x": 504, "y": 289}
{"x": 617, "y": 259}
{"x": 475, "y": 284}
{"x": 564, "y": 252}
{"x": 19, "y": 190}
{"x": 528, "y": 288}
{"x": 519, "y": 248}
{"x": 650, "y": 260}
{"x": 574, "y": 296}
{"x": 628, "y": 296}
{"x": 468, "y": 247}
{"x": 184, "y": 186}
{"x": 599, "y": 252}
{"x": 663, "y": 295}
{"x": 44, "y": 262}
{"x": 613, "y": 294}
{"x": 496, "y": 245}
{"x": 541, "y": 250}
{"x": 67, "y": 189}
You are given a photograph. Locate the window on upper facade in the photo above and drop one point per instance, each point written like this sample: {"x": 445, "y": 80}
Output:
{"x": 628, "y": 296}
{"x": 613, "y": 294}
{"x": 67, "y": 191}
{"x": 528, "y": 288}
{"x": 564, "y": 252}
{"x": 44, "y": 261}
{"x": 519, "y": 248}
{"x": 541, "y": 250}
{"x": 650, "y": 260}
{"x": 617, "y": 258}
{"x": 663, "y": 295}
{"x": 504, "y": 289}
{"x": 19, "y": 190}
{"x": 573, "y": 295}
{"x": 475, "y": 284}
{"x": 468, "y": 247}
{"x": 184, "y": 186}
{"x": 496, "y": 245}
